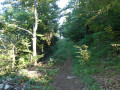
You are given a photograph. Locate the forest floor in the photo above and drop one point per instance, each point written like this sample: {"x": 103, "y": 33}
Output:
{"x": 65, "y": 79}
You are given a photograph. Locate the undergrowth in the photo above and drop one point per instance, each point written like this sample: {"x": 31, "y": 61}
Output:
{"x": 103, "y": 60}
{"x": 64, "y": 51}
{"x": 43, "y": 80}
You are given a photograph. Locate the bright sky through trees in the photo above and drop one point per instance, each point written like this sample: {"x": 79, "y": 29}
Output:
{"x": 62, "y": 4}
{"x": 1, "y": 6}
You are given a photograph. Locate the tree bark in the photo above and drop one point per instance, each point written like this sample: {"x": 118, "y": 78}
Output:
{"x": 34, "y": 32}
{"x": 13, "y": 62}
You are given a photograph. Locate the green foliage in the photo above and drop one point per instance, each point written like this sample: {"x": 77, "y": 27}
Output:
{"x": 88, "y": 39}
{"x": 94, "y": 23}
{"x": 17, "y": 21}
{"x": 101, "y": 61}
{"x": 83, "y": 53}
{"x": 51, "y": 62}
{"x": 64, "y": 51}
{"x": 91, "y": 17}
{"x": 84, "y": 71}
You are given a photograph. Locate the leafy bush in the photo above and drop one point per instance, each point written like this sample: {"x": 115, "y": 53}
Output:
{"x": 83, "y": 53}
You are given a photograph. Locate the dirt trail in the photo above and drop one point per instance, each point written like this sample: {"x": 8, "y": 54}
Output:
{"x": 66, "y": 80}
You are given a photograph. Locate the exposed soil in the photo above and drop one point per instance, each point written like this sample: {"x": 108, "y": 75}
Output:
{"x": 66, "y": 80}
{"x": 108, "y": 82}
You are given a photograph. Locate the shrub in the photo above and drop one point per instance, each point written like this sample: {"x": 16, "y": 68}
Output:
{"x": 83, "y": 53}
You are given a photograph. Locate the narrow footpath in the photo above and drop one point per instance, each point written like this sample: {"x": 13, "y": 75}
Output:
{"x": 65, "y": 79}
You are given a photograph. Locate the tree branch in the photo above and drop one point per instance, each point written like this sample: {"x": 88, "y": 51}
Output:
{"x": 17, "y": 27}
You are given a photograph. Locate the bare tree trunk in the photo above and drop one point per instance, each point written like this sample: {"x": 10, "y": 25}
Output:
{"x": 13, "y": 62}
{"x": 42, "y": 48}
{"x": 34, "y": 32}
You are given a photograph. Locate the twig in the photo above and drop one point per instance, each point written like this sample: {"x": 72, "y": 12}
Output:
{"x": 2, "y": 43}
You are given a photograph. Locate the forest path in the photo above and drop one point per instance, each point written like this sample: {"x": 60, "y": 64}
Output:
{"x": 65, "y": 79}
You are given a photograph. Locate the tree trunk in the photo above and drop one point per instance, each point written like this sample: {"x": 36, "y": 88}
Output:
{"x": 13, "y": 62}
{"x": 34, "y": 32}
